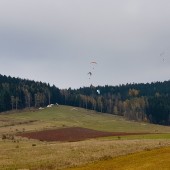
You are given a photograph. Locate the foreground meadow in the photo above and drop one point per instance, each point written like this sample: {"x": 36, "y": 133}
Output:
{"x": 23, "y": 153}
{"x": 148, "y": 159}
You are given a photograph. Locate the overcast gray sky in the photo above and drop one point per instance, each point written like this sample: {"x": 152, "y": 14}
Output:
{"x": 54, "y": 41}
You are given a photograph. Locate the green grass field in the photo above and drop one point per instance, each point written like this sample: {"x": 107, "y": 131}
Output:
{"x": 21, "y": 153}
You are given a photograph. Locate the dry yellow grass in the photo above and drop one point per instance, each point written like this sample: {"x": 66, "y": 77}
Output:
{"x": 158, "y": 159}
{"x": 53, "y": 156}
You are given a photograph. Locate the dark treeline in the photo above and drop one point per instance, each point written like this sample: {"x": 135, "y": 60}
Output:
{"x": 16, "y": 93}
{"x": 142, "y": 102}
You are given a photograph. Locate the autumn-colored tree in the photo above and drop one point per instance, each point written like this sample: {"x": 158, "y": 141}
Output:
{"x": 133, "y": 92}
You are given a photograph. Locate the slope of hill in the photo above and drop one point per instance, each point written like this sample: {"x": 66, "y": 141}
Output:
{"x": 68, "y": 116}
{"x": 140, "y": 102}
{"x": 17, "y": 152}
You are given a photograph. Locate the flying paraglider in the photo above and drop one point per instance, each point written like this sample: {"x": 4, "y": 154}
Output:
{"x": 93, "y": 63}
{"x": 92, "y": 69}
{"x": 90, "y": 73}
{"x": 98, "y": 91}
{"x": 162, "y": 53}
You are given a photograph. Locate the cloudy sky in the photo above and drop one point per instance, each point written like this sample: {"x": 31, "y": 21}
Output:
{"x": 54, "y": 41}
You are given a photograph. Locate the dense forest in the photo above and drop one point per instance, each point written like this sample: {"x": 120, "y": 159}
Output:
{"x": 16, "y": 93}
{"x": 141, "y": 102}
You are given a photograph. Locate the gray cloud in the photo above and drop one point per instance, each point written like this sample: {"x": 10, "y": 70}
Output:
{"x": 54, "y": 41}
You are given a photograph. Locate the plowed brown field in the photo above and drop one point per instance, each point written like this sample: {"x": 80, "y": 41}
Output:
{"x": 71, "y": 134}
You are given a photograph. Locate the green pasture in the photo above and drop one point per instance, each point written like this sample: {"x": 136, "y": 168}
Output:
{"x": 66, "y": 116}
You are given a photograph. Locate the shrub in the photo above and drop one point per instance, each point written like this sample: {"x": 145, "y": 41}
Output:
{"x": 4, "y": 136}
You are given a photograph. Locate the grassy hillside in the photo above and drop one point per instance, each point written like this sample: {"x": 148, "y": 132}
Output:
{"x": 66, "y": 116}
{"x": 154, "y": 159}
{"x": 20, "y": 153}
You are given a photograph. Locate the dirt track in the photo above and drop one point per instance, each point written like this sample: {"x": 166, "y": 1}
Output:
{"x": 71, "y": 134}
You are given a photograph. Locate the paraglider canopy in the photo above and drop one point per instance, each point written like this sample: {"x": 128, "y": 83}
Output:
{"x": 93, "y": 62}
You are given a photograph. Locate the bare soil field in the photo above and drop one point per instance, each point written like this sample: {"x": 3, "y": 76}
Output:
{"x": 72, "y": 134}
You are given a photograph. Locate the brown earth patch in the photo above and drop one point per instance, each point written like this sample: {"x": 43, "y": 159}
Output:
{"x": 71, "y": 134}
